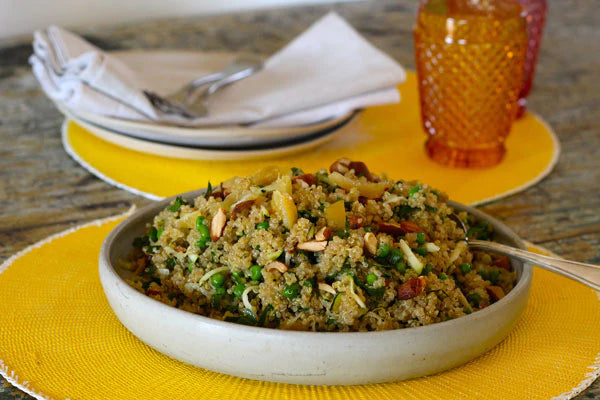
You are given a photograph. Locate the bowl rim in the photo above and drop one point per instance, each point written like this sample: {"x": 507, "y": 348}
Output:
{"x": 522, "y": 285}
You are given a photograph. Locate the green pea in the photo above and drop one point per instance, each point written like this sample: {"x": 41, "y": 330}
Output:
{"x": 217, "y": 280}
{"x": 421, "y": 238}
{"x": 238, "y": 290}
{"x": 237, "y": 277}
{"x": 401, "y": 267}
{"x": 291, "y": 291}
{"x": 493, "y": 276}
{"x": 383, "y": 250}
{"x": 219, "y": 291}
{"x": 443, "y": 277}
{"x": 199, "y": 222}
{"x": 395, "y": 256}
{"x": 465, "y": 268}
{"x": 474, "y": 298}
{"x": 204, "y": 232}
{"x": 427, "y": 269}
{"x": 483, "y": 274}
{"x": 371, "y": 278}
{"x": 262, "y": 225}
{"x": 421, "y": 250}
{"x": 256, "y": 272}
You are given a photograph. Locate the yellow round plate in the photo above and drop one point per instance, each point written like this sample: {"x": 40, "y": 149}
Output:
{"x": 387, "y": 138}
{"x": 60, "y": 339}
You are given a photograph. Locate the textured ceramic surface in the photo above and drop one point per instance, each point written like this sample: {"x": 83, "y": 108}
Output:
{"x": 305, "y": 357}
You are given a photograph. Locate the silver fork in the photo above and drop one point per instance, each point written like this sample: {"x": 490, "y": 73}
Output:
{"x": 186, "y": 101}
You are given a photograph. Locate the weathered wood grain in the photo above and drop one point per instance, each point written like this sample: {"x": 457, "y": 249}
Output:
{"x": 43, "y": 191}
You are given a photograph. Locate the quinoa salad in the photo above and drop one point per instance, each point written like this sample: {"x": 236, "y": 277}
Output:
{"x": 340, "y": 249}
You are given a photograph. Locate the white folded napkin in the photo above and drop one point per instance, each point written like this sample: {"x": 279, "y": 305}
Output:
{"x": 327, "y": 71}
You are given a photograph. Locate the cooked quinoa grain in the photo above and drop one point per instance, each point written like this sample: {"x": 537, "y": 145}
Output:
{"x": 336, "y": 250}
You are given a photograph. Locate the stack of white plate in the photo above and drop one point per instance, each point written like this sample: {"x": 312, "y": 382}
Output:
{"x": 233, "y": 142}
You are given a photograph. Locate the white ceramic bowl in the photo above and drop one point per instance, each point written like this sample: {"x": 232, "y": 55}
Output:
{"x": 317, "y": 358}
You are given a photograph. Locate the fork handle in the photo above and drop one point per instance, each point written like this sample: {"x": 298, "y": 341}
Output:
{"x": 587, "y": 274}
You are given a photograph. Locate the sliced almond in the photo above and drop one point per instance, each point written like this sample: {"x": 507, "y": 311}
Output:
{"x": 323, "y": 234}
{"x": 217, "y": 225}
{"x": 391, "y": 228}
{"x": 356, "y": 222}
{"x": 401, "y": 229}
{"x": 241, "y": 206}
{"x": 326, "y": 288}
{"x": 341, "y": 165}
{"x": 411, "y": 288}
{"x": 276, "y": 265}
{"x": 371, "y": 243}
{"x": 313, "y": 245}
{"x": 495, "y": 292}
{"x": 309, "y": 179}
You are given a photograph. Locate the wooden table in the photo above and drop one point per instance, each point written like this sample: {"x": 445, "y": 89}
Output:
{"x": 43, "y": 191}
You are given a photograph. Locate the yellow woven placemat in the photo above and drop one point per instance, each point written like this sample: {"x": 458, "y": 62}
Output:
{"x": 387, "y": 138}
{"x": 60, "y": 339}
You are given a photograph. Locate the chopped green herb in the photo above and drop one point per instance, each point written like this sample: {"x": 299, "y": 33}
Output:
{"x": 209, "y": 190}
{"x": 153, "y": 234}
{"x": 170, "y": 263}
{"x": 443, "y": 276}
{"x": 395, "y": 256}
{"x": 413, "y": 190}
{"x": 177, "y": 204}
{"x": 296, "y": 171}
{"x": 307, "y": 283}
{"x": 141, "y": 241}
{"x": 256, "y": 273}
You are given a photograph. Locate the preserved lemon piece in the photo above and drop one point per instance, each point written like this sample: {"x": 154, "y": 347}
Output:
{"x": 282, "y": 184}
{"x": 284, "y": 205}
{"x": 335, "y": 214}
{"x": 372, "y": 190}
{"x": 265, "y": 176}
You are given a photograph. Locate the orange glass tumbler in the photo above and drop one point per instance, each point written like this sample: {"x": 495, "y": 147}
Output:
{"x": 470, "y": 56}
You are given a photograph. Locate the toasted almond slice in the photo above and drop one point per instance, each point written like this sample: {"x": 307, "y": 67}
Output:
{"x": 276, "y": 265}
{"x": 323, "y": 234}
{"x": 411, "y": 288}
{"x": 309, "y": 179}
{"x": 341, "y": 165}
{"x": 371, "y": 242}
{"x": 313, "y": 245}
{"x": 495, "y": 292}
{"x": 391, "y": 228}
{"x": 217, "y": 225}
{"x": 241, "y": 206}
{"x": 326, "y": 288}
